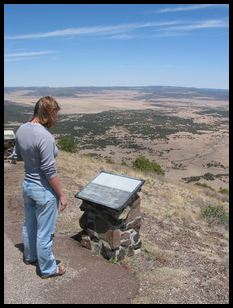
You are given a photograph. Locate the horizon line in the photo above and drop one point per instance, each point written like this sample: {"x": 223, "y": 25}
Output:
{"x": 120, "y": 86}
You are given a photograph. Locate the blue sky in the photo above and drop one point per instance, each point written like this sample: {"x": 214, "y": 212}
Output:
{"x": 116, "y": 45}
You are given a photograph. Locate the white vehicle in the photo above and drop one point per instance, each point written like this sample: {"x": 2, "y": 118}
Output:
{"x": 9, "y": 134}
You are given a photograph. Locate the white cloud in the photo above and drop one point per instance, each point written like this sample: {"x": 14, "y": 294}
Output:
{"x": 97, "y": 30}
{"x": 200, "y": 25}
{"x": 169, "y": 34}
{"x": 124, "y": 31}
{"x": 189, "y": 7}
{"x": 122, "y": 37}
{"x": 19, "y": 59}
{"x": 179, "y": 30}
{"x": 26, "y": 55}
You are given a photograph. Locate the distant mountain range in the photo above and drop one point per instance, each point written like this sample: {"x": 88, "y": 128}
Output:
{"x": 150, "y": 92}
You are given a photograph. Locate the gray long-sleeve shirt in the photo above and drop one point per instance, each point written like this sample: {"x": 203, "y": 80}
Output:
{"x": 36, "y": 147}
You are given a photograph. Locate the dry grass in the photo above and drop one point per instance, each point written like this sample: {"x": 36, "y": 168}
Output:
{"x": 163, "y": 282}
{"x": 183, "y": 258}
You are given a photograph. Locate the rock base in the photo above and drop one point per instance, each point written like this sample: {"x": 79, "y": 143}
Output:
{"x": 114, "y": 235}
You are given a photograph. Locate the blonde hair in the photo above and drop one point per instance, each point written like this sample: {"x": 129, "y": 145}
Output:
{"x": 45, "y": 110}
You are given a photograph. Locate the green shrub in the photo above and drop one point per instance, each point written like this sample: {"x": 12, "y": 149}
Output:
{"x": 204, "y": 185}
{"x": 224, "y": 191}
{"x": 109, "y": 160}
{"x": 192, "y": 179}
{"x": 208, "y": 176}
{"x": 67, "y": 144}
{"x": 215, "y": 214}
{"x": 143, "y": 164}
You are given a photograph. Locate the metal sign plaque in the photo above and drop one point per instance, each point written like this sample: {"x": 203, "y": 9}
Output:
{"x": 110, "y": 190}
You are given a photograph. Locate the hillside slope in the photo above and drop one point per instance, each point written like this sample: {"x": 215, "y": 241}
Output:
{"x": 184, "y": 257}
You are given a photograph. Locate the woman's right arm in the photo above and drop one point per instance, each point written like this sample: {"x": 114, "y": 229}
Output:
{"x": 55, "y": 183}
{"x": 48, "y": 166}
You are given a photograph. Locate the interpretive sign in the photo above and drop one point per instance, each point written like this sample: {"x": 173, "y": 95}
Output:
{"x": 110, "y": 190}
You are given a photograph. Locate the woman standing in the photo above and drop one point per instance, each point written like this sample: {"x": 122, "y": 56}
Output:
{"x": 42, "y": 190}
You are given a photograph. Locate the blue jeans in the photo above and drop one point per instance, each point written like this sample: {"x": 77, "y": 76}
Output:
{"x": 41, "y": 210}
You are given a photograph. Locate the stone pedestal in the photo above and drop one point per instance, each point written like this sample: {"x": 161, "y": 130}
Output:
{"x": 112, "y": 234}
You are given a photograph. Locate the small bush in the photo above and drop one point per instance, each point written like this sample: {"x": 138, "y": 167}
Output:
{"x": 109, "y": 160}
{"x": 123, "y": 163}
{"x": 67, "y": 144}
{"x": 204, "y": 185}
{"x": 192, "y": 179}
{"x": 215, "y": 214}
{"x": 208, "y": 176}
{"x": 224, "y": 191}
{"x": 143, "y": 164}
